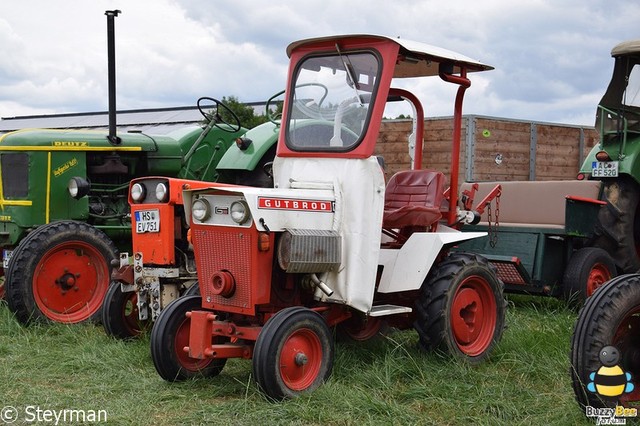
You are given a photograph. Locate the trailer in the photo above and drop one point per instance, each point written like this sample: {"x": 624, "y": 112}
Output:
{"x": 540, "y": 235}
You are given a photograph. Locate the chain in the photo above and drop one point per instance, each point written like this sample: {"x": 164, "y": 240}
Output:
{"x": 493, "y": 229}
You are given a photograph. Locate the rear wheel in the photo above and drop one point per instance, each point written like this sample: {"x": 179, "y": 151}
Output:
{"x": 60, "y": 272}
{"x": 587, "y": 270}
{"x": 618, "y": 227}
{"x": 120, "y": 315}
{"x": 611, "y": 317}
{"x": 461, "y": 308}
{"x": 293, "y": 353}
{"x": 359, "y": 328}
{"x": 170, "y": 335}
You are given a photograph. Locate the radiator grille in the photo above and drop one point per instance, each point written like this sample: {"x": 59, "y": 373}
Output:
{"x": 225, "y": 250}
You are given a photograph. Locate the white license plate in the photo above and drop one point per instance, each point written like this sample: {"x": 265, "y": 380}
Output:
{"x": 604, "y": 169}
{"x": 147, "y": 221}
{"x": 6, "y": 255}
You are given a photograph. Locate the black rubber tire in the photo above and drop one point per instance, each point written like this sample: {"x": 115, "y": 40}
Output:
{"x": 588, "y": 268}
{"x": 166, "y": 352}
{"x": 120, "y": 314}
{"x": 618, "y": 228}
{"x": 269, "y": 368}
{"x": 43, "y": 241}
{"x": 599, "y": 325}
{"x": 458, "y": 273}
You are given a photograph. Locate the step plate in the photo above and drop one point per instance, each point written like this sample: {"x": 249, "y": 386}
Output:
{"x": 384, "y": 310}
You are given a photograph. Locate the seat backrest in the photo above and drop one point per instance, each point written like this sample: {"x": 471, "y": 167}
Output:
{"x": 415, "y": 187}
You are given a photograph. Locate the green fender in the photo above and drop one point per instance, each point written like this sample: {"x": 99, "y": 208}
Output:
{"x": 263, "y": 137}
{"x": 629, "y": 164}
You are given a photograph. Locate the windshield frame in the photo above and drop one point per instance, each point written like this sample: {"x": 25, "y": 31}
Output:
{"x": 367, "y": 96}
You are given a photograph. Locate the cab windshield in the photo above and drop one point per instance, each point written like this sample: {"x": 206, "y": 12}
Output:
{"x": 619, "y": 109}
{"x": 331, "y": 101}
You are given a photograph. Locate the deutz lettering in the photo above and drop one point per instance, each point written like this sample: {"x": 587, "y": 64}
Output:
{"x": 72, "y": 143}
{"x": 293, "y": 204}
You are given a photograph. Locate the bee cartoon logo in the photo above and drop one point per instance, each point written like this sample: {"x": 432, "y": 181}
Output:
{"x": 610, "y": 380}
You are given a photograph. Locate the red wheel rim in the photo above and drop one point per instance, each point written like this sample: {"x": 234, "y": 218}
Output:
{"x": 130, "y": 315}
{"x": 300, "y": 359}
{"x": 473, "y": 316}
{"x": 598, "y": 275}
{"x": 70, "y": 282}
{"x": 181, "y": 341}
{"x": 360, "y": 330}
{"x": 626, "y": 340}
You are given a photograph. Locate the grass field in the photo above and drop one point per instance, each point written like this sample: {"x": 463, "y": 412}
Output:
{"x": 388, "y": 382}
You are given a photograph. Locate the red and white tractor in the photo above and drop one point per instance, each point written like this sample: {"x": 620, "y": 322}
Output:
{"x": 330, "y": 245}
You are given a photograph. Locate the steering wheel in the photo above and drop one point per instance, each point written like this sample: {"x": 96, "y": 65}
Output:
{"x": 216, "y": 117}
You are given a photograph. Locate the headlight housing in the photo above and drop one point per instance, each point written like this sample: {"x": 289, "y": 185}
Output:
{"x": 78, "y": 187}
{"x": 239, "y": 211}
{"x": 200, "y": 209}
{"x": 138, "y": 192}
{"x": 162, "y": 192}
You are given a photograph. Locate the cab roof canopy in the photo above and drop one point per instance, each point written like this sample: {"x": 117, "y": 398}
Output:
{"x": 628, "y": 47}
{"x": 420, "y": 59}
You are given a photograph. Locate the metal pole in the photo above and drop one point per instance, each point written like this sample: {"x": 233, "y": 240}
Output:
{"x": 111, "y": 55}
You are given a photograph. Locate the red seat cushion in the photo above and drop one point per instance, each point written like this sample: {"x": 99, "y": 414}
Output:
{"x": 413, "y": 198}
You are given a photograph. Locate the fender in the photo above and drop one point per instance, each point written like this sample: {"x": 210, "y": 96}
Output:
{"x": 406, "y": 269}
{"x": 627, "y": 155}
{"x": 263, "y": 137}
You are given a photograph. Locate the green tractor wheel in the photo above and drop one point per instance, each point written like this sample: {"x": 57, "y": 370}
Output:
{"x": 611, "y": 317}
{"x": 618, "y": 227}
{"x": 60, "y": 272}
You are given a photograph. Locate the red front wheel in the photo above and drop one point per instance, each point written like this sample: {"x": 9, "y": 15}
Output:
{"x": 120, "y": 314}
{"x": 293, "y": 353}
{"x": 169, "y": 337}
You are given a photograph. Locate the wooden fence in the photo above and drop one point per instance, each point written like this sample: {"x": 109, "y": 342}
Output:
{"x": 492, "y": 148}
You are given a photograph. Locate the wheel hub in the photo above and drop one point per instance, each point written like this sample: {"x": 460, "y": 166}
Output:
{"x": 67, "y": 282}
{"x": 301, "y": 359}
{"x": 467, "y": 310}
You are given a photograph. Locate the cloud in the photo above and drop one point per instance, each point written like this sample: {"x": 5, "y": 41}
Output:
{"x": 552, "y": 59}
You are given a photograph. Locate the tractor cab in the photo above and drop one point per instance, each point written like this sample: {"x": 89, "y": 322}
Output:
{"x": 310, "y": 252}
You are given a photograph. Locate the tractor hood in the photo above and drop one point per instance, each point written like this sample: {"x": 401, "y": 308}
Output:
{"x": 67, "y": 140}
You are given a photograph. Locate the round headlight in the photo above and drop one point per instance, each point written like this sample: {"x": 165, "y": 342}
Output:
{"x": 239, "y": 212}
{"x": 200, "y": 209}
{"x": 162, "y": 192}
{"x": 78, "y": 187}
{"x": 138, "y": 192}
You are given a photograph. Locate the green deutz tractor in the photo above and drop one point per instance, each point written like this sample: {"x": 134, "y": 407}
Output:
{"x": 64, "y": 211}
{"x": 616, "y": 159}
{"x": 605, "y": 347}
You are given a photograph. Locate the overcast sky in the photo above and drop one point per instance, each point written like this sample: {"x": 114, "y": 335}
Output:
{"x": 552, "y": 57}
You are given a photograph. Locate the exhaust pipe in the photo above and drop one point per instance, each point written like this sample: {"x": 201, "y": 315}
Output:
{"x": 111, "y": 58}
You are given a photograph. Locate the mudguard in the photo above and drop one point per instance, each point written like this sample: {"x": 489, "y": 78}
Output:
{"x": 405, "y": 269}
{"x": 263, "y": 137}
